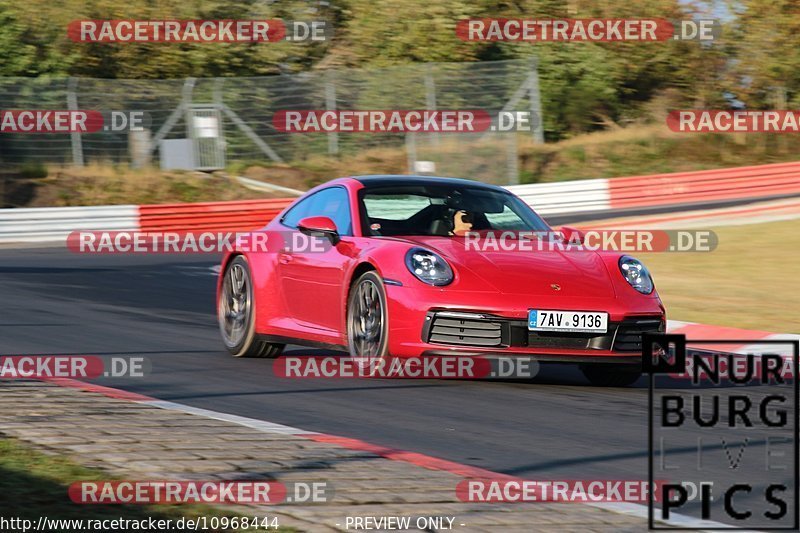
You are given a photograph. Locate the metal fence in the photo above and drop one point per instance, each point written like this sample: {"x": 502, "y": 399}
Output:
{"x": 243, "y": 109}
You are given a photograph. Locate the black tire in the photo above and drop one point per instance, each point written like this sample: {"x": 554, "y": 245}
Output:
{"x": 236, "y": 309}
{"x": 610, "y": 375}
{"x": 368, "y": 290}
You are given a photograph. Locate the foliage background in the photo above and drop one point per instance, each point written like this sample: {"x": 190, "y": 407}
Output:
{"x": 585, "y": 86}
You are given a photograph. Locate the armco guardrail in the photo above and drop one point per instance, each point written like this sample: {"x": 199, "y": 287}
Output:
{"x": 596, "y": 195}
{"x": 565, "y": 196}
{"x": 242, "y": 215}
{"x": 661, "y": 189}
{"x": 54, "y": 224}
{"x": 50, "y": 224}
{"x": 705, "y": 186}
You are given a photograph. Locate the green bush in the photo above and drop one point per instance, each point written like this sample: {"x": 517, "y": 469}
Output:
{"x": 33, "y": 170}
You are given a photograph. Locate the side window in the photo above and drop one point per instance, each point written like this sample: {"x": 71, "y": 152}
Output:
{"x": 331, "y": 203}
{"x": 297, "y": 213}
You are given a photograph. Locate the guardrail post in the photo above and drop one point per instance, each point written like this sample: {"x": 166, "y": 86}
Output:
{"x": 411, "y": 151}
{"x": 75, "y": 137}
{"x": 330, "y": 105}
{"x": 536, "y": 103}
{"x": 512, "y": 159}
{"x": 430, "y": 97}
{"x": 186, "y": 101}
{"x": 174, "y": 117}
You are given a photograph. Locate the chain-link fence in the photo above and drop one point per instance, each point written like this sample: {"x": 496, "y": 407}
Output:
{"x": 224, "y": 120}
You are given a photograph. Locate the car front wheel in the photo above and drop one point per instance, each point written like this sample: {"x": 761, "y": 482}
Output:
{"x": 367, "y": 320}
{"x": 236, "y": 314}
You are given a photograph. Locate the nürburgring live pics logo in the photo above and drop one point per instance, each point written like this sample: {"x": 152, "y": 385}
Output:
{"x": 725, "y": 438}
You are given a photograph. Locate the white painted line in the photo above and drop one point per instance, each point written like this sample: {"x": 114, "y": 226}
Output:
{"x": 676, "y": 520}
{"x": 672, "y": 325}
{"x": 626, "y": 508}
{"x": 252, "y": 423}
{"x": 784, "y": 350}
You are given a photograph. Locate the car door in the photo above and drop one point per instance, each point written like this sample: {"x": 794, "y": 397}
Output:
{"x": 312, "y": 276}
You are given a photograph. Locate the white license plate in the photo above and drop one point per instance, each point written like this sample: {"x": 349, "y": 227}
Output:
{"x": 543, "y": 320}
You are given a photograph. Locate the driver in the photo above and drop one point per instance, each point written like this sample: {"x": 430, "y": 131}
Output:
{"x": 462, "y": 223}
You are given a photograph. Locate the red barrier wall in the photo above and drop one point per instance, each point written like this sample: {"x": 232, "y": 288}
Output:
{"x": 705, "y": 185}
{"x": 243, "y": 215}
{"x": 628, "y": 192}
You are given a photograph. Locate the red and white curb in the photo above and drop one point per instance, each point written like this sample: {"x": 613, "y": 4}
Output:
{"x": 55, "y": 224}
{"x": 737, "y": 340}
{"x": 418, "y": 459}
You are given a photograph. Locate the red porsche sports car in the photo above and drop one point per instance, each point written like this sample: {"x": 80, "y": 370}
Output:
{"x": 399, "y": 278}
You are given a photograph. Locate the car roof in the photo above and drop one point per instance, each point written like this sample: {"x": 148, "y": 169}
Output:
{"x": 402, "y": 180}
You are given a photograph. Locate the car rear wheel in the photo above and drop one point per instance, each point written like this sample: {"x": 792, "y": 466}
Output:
{"x": 367, "y": 321}
{"x": 236, "y": 314}
{"x": 610, "y": 375}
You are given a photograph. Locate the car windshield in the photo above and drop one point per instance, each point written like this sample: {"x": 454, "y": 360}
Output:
{"x": 444, "y": 210}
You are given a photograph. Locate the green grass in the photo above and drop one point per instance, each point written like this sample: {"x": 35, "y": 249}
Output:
{"x": 34, "y": 484}
{"x": 750, "y": 281}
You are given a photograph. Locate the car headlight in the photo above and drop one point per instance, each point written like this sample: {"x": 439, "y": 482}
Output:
{"x": 636, "y": 274}
{"x": 428, "y": 267}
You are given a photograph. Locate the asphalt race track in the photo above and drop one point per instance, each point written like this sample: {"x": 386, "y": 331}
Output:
{"x": 162, "y": 308}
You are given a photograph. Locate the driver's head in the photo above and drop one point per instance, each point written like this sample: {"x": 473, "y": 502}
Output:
{"x": 462, "y": 222}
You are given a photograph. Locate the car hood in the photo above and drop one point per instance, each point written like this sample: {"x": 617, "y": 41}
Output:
{"x": 574, "y": 272}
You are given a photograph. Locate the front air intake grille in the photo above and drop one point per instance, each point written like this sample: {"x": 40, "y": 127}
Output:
{"x": 559, "y": 340}
{"x": 488, "y": 331}
{"x": 465, "y": 331}
{"x": 629, "y": 333}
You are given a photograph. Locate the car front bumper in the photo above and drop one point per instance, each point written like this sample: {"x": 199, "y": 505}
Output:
{"x": 438, "y": 322}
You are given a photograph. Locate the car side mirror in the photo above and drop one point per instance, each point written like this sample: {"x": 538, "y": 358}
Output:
{"x": 572, "y": 235}
{"x": 319, "y": 227}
